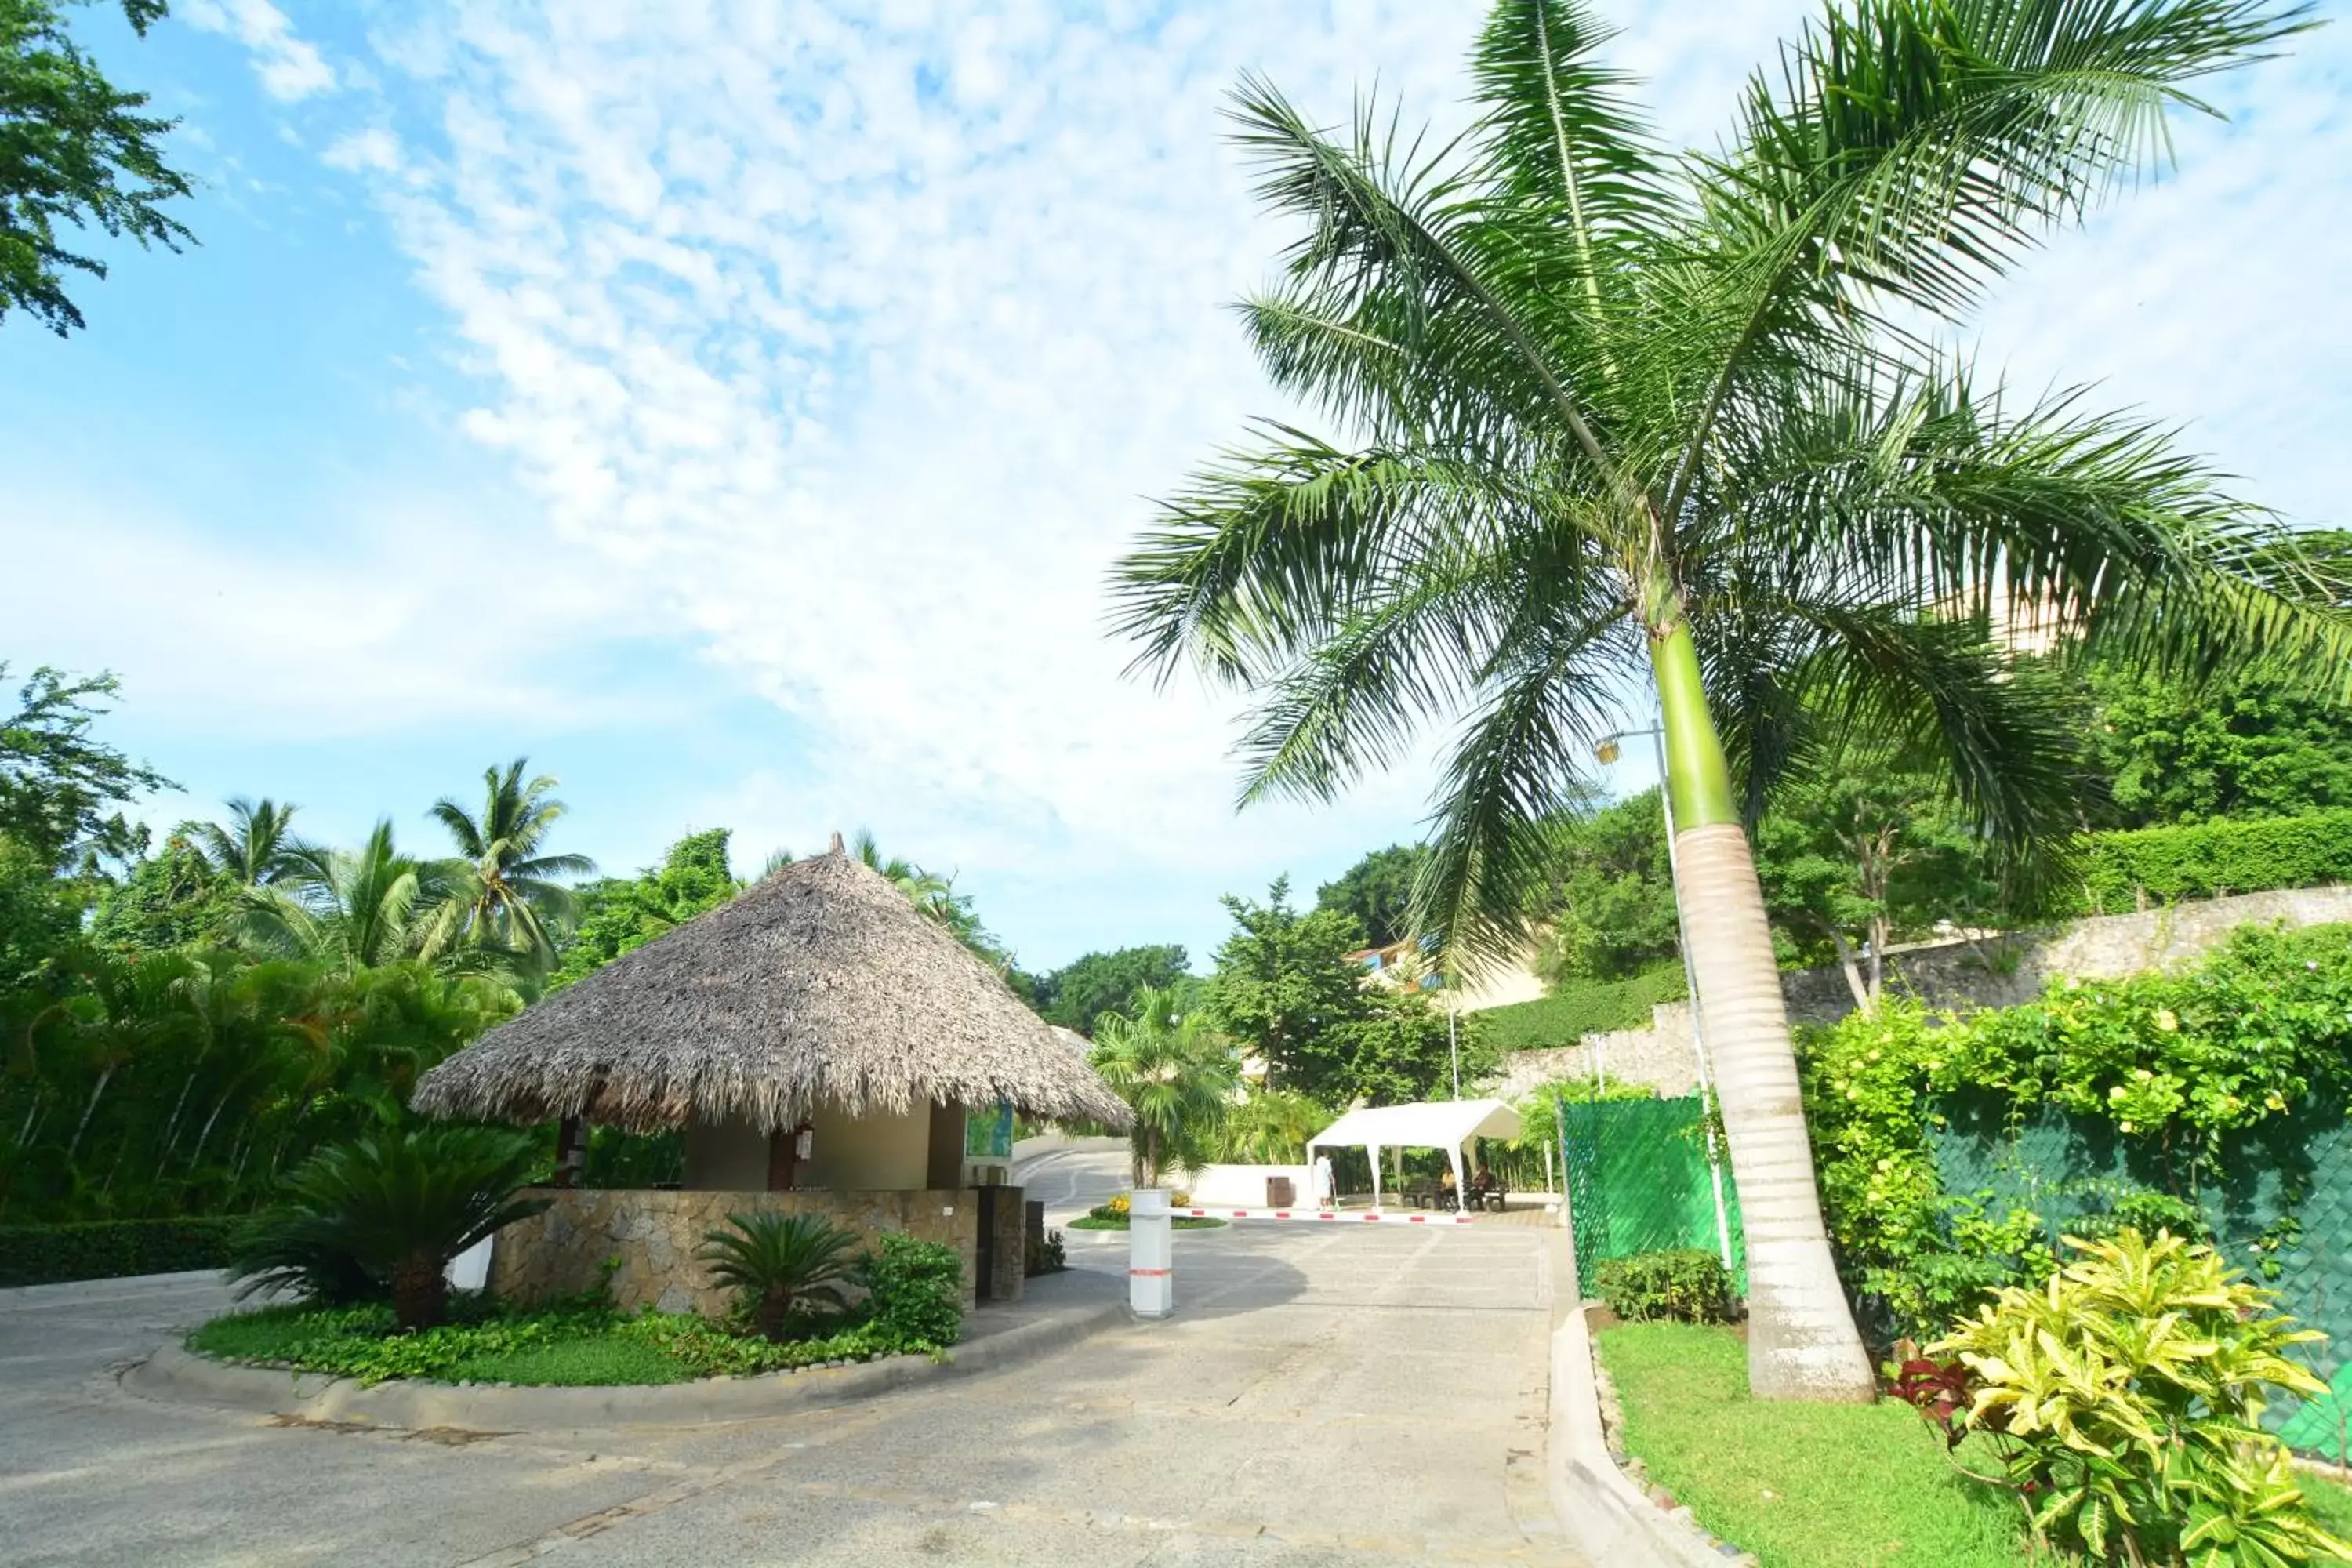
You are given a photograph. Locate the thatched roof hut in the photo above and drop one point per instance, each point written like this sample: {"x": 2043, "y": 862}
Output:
{"x": 821, "y": 986}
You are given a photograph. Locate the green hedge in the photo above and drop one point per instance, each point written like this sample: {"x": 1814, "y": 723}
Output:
{"x": 2209, "y": 860}
{"x": 1579, "y": 1007}
{"x": 105, "y": 1249}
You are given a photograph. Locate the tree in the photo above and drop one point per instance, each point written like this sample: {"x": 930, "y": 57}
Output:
{"x": 1401, "y": 1049}
{"x": 56, "y": 781}
{"x": 1613, "y": 416}
{"x": 1283, "y": 982}
{"x": 172, "y": 899}
{"x": 254, "y": 845}
{"x": 509, "y": 900}
{"x": 1378, "y": 890}
{"x": 350, "y": 910}
{"x": 77, "y": 151}
{"x": 621, "y": 914}
{"x": 2244, "y": 745}
{"x": 1083, "y": 990}
{"x": 1610, "y": 908}
{"x": 1176, "y": 1074}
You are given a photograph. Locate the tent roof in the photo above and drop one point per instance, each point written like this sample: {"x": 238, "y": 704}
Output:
{"x": 1432, "y": 1124}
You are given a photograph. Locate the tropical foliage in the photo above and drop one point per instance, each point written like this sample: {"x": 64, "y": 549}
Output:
{"x": 510, "y": 896}
{"x": 1176, "y": 1073}
{"x": 382, "y": 1215}
{"x": 782, "y": 1267}
{"x": 2125, "y": 1398}
{"x": 2175, "y": 1064}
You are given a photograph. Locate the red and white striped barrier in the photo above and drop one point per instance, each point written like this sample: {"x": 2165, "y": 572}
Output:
{"x": 1328, "y": 1216}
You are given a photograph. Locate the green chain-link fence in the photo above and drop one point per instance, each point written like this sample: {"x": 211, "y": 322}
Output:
{"x": 1638, "y": 1180}
{"x": 2281, "y": 1210}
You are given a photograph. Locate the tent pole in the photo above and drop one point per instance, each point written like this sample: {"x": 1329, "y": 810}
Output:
{"x": 1374, "y": 1150}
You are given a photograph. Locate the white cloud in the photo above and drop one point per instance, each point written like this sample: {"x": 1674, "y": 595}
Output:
{"x": 374, "y": 148}
{"x": 289, "y": 68}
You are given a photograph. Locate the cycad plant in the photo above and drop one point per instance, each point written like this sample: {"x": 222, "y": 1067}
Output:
{"x": 782, "y": 1267}
{"x": 1610, "y": 419}
{"x": 384, "y": 1214}
{"x": 1174, "y": 1070}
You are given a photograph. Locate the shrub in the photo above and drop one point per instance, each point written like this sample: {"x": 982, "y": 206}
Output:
{"x": 106, "y": 1250}
{"x": 1578, "y": 1007}
{"x": 2125, "y": 1399}
{"x": 2208, "y": 859}
{"x": 384, "y": 1214}
{"x": 1682, "y": 1284}
{"x": 915, "y": 1292}
{"x": 780, "y": 1266}
{"x": 1046, "y": 1255}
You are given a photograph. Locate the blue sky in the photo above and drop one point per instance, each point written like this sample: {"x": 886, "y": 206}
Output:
{"x": 735, "y": 407}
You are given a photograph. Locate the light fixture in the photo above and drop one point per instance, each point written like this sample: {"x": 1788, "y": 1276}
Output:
{"x": 1607, "y": 751}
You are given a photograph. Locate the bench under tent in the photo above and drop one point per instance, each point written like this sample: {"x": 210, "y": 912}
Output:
{"x": 1447, "y": 1124}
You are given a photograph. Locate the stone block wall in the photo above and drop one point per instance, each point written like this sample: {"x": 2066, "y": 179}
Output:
{"x": 656, "y": 1236}
{"x": 1008, "y": 1262}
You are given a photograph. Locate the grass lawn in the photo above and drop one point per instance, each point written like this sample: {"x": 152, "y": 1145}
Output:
{"x": 1817, "y": 1486}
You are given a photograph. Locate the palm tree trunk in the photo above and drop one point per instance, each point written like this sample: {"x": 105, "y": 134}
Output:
{"x": 1801, "y": 1339}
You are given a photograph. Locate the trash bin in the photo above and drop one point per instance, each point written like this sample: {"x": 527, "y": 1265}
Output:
{"x": 1280, "y": 1192}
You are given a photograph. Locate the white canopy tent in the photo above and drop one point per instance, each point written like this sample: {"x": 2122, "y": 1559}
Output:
{"x": 1447, "y": 1124}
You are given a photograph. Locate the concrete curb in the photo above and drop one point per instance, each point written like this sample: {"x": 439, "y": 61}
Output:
{"x": 1599, "y": 1508}
{"x": 174, "y": 1375}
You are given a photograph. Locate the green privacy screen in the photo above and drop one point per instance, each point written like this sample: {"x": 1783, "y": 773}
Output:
{"x": 1638, "y": 1180}
{"x": 2281, "y": 1210}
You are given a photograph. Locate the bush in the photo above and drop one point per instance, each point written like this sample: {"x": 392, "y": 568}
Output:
{"x": 107, "y": 1249}
{"x": 1044, "y": 1255}
{"x": 1682, "y": 1285}
{"x": 385, "y": 1214}
{"x": 1578, "y": 1007}
{"x": 780, "y": 1266}
{"x": 915, "y": 1292}
{"x": 2125, "y": 1400}
{"x": 2207, "y": 860}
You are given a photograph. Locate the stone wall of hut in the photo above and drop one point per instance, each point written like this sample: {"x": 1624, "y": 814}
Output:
{"x": 656, "y": 1236}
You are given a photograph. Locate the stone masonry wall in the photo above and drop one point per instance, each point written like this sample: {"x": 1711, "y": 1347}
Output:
{"x": 1996, "y": 971}
{"x": 656, "y": 1236}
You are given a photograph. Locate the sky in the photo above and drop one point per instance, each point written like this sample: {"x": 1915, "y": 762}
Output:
{"x": 736, "y": 407}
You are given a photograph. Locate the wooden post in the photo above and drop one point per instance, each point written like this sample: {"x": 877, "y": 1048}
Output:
{"x": 785, "y": 1158}
{"x": 570, "y": 1151}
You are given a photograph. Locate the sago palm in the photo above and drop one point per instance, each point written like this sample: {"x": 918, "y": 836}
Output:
{"x": 780, "y": 1265}
{"x": 1175, "y": 1071}
{"x": 510, "y": 900}
{"x": 1609, "y": 418}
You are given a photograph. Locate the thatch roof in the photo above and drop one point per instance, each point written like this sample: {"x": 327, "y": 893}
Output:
{"x": 821, "y": 984}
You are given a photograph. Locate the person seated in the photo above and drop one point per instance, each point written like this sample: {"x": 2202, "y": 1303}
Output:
{"x": 1447, "y": 1197}
{"x": 1483, "y": 1188}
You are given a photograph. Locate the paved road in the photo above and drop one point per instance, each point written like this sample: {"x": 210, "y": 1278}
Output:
{"x": 1322, "y": 1397}
{"x": 1076, "y": 1176}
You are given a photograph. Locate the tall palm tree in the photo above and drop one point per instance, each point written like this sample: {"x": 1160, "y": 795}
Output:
{"x": 1175, "y": 1071}
{"x": 509, "y": 900}
{"x": 1614, "y": 418}
{"x": 253, "y": 846}
{"x": 350, "y": 910}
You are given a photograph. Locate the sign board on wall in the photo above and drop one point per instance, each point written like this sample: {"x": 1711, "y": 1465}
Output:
{"x": 988, "y": 1132}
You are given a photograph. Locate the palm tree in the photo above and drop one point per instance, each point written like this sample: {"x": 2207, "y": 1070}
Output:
{"x": 350, "y": 910}
{"x": 1616, "y": 418}
{"x": 255, "y": 846}
{"x": 1176, "y": 1073}
{"x": 508, "y": 900}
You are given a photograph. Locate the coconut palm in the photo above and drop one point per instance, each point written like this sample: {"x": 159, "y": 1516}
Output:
{"x": 1174, "y": 1070}
{"x": 509, "y": 901}
{"x": 254, "y": 847}
{"x": 349, "y": 909}
{"x": 1613, "y": 418}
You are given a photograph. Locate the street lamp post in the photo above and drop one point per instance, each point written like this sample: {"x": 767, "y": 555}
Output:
{"x": 1608, "y": 750}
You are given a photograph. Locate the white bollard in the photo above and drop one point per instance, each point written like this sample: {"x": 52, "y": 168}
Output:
{"x": 1150, "y": 1254}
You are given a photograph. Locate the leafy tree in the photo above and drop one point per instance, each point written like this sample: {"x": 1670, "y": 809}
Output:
{"x": 621, "y": 914}
{"x": 1610, "y": 908}
{"x": 77, "y": 151}
{"x": 1176, "y": 1074}
{"x": 1083, "y": 990}
{"x": 1401, "y": 1049}
{"x": 2247, "y": 743}
{"x": 1283, "y": 980}
{"x": 1269, "y": 1128}
{"x": 172, "y": 899}
{"x": 1378, "y": 891}
{"x": 510, "y": 898}
{"x": 56, "y": 782}
{"x": 253, "y": 846}
{"x": 350, "y": 910}
{"x": 1615, "y": 415}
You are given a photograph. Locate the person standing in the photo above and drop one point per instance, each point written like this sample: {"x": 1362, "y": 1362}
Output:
{"x": 1326, "y": 1194}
